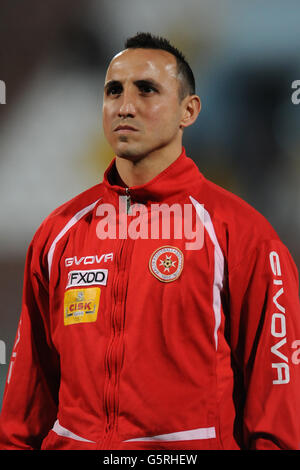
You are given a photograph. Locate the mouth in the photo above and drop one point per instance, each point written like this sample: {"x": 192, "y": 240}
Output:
{"x": 125, "y": 129}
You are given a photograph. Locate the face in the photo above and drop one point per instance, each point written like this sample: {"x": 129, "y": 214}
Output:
{"x": 141, "y": 108}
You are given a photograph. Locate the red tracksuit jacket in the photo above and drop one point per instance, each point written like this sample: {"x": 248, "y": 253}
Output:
{"x": 131, "y": 342}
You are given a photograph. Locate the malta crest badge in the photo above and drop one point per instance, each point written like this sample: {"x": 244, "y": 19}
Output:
{"x": 166, "y": 263}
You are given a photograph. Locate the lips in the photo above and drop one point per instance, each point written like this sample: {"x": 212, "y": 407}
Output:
{"x": 125, "y": 128}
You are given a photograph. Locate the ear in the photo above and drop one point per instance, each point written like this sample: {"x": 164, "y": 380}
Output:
{"x": 191, "y": 108}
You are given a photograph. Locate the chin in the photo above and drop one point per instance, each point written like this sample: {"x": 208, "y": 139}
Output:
{"x": 128, "y": 153}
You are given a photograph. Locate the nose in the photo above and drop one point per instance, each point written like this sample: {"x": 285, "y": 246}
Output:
{"x": 127, "y": 104}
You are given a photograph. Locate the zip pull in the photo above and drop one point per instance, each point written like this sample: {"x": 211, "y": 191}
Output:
{"x": 128, "y": 201}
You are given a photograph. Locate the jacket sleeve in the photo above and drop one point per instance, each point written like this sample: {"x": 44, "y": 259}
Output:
{"x": 31, "y": 391}
{"x": 265, "y": 339}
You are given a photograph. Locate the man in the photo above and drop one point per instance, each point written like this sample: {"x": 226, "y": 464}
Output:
{"x": 132, "y": 340}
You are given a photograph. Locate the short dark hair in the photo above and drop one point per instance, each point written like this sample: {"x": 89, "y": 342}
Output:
{"x": 149, "y": 41}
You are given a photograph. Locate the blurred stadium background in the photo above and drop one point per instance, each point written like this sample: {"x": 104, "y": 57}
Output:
{"x": 53, "y": 57}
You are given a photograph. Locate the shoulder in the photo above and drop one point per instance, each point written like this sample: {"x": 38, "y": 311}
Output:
{"x": 80, "y": 202}
{"x": 65, "y": 216}
{"x": 233, "y": 211}
{"x": 238, "y": 226}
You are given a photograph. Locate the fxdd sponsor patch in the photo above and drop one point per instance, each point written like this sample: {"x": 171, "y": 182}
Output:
{"x": 86, "y": 278}
{"x": 81, "y": 305}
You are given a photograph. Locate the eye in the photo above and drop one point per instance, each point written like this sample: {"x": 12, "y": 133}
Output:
{"x": 146, "y": 88}
{"x": 114, "y": 90}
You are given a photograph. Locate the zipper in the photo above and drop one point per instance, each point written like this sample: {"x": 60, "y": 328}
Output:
{"x": 115, "y": 349}
{"x": 128, "y": 199}
{"x": 111, "y": 360}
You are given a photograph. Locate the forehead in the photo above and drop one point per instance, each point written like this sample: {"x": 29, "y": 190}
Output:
{"x": 142, "y": 63}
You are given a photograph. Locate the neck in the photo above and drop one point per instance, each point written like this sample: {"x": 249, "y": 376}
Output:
{"x": 143, "y": 170}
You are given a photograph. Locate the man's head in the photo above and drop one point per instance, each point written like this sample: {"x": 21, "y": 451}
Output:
{"x": 149, "y": 98}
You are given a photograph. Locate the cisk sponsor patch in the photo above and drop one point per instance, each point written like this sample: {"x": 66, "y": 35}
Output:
{"x": 81, "y": 305}
{"x": 86, "y": 278}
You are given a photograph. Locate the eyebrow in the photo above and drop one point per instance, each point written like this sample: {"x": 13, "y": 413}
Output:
{"x": 142, "y": 82}
{"x": 147, "y": 81}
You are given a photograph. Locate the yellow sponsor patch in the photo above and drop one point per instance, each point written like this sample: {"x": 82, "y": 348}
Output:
{"x": 81, "y": 305}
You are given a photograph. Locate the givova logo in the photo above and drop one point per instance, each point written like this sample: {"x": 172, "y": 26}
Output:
{"x": 2, "y": 352}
